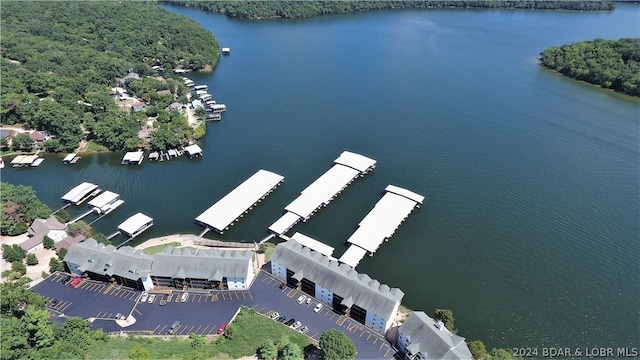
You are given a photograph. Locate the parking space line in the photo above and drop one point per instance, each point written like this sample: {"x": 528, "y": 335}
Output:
{"x": 162, "y": 330}
{"x": 204, "y": 331}
{"x": 375, "y": 340}
{"x": 368, "y": 336}
{"x": 362, "y": 333}
{"x": 198, "y": 329}
{"x": 138, "y": 311}
{"x": 385, "y": 354}
{"x": 236, "y": 294}
{"x": 154, "y": 330}
{"x": 251, "y": 296}
{"x": 212, "y": 330}
{"x": 62, "y": 309}
{"x": 189, "y": 332}
{"x": 381, "y": 345}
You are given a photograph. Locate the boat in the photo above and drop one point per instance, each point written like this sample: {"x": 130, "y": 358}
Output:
{"x": 225, "y": 51}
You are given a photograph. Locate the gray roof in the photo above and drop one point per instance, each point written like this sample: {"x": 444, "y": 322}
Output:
{"x": 210, "y": 264}
{"x": 433, "y": 343}
{"x": 125, "y": 262}
{"x": 39, "y": 229}
{"x": 341, "y": 279}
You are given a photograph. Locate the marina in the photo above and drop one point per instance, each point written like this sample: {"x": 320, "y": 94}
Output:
{"x": 81, "y": 193}
{"x": 313, "y": 244}
{"x": 106, "y": 202}
{"x": 380, "y": 223}
{"x": 347, "y": 167}
{"x": 224, "y": 213}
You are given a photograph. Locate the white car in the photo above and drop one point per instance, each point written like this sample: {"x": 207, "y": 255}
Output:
{"x": 144, "y": 297}
{"x": 274, "y": 316}
{"x": 152, "y": 298}
{"x": 318, "y": 308}
{"x": 296, "y": 325}
{"x": 301, "y": 299}
{"x": 309, "y": 300}
{"x": 184, "y": 297}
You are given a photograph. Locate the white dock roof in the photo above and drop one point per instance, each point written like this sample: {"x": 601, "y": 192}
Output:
{"x": 134, "y": 223}
{"x": 103, "y": 199}
{"x": 356, "y": 161}
{"x": 353, "y": 255}
{"x": 382, "y": 221}
{"x": 193, "y": 149}
{"x": 24, "y": 159}
{"x": 285, "y": 223}
{"x": 406, "y": 193}
{"x": 231, "y": 206}
{"x": 322, "y": 190}
{"x": 133, "y": 156}
{"x": 69, "y": 157}
{"x": 77, "y": 193}
{"x": 313, "y": 244}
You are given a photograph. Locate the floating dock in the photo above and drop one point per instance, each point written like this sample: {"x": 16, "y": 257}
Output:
{"x": 135, "y": 225}
{"x": 347, "y": 167}
{"x": 193, "y": 150}
{"x": 106, "y": 202}
{"x": 80, "y": 193}
{"x": 239, "y": 201}
{"x": 380, "y": 223}
{"x": 71, "y": 158}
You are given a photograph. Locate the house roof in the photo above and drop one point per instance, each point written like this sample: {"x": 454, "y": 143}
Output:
{"x": 125, "y": 262}
{"x": 37, "y": 136}
{"x": 210, "y": 264}
{"x": 39, "y": 229}
{"x": 342, "y": 280}
{"x": 68, "y": 241}
{"x": 434, "y": 343}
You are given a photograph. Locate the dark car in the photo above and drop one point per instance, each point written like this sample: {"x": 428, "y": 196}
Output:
{"x": 222, "y": 327}
{"x": 282, "y": 318}
{"x": 54, "y": 303}
{"x": 282, "y": 286}
{"x": 290, "y": 322}
{"x": 65, "y": 280}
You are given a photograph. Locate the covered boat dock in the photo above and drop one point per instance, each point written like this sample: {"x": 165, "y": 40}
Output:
{"x": 106, "y": 202}
{"x": 135, "y": 225}
{"x": 313, "y": 244}
{"x": 133, "y": 158}
{"x": 193, "y": 150}
{"x": 80, "y": 193}
{"x": 239, "y": 201}
{"x": 381, "y": 223}
{"x": 347, "y": 167}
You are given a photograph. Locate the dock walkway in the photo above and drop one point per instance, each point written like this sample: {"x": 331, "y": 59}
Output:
{"x": 224, "y": 244}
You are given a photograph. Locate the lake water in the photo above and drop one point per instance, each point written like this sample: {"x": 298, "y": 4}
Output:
{"x": 529, "y": 231}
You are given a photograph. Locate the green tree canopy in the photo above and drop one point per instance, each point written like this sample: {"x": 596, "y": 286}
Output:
{"x": 335, "y": 345}
{"x": 20, "y": 207}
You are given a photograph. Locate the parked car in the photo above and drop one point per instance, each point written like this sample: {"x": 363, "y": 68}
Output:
{"x": 274, "y": 315}
{"x": 282, "y": 318}
{"x": 296, "y": 325}
{"x": 290, "y": 322}
{"x": 222, "y": 327}
{"x": 309, "y": 300}
{"x": 54, "y": 303}
{"x": 184, "y": 297}
{"x": 174, "y": 327}
{"x": 118, "y": 316}
{"x": 304, "y": 329}
{"x": 144, "y": 297}
{"x": 65, "y": 280}
{"x": 152, "y": 298}
{"x": 318, "y": 307}
{"x": 301, "y": 299}
{"x": 283, "y": 286}
{"x": 163, "y": 301}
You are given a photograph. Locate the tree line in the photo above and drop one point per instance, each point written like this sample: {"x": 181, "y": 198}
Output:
{"x": 59, "y": 60}
{"x": 612, "y": 64}
{"x": 300, "y": 9}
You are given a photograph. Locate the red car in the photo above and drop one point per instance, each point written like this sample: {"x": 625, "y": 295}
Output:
{"x": 222, "y": 327}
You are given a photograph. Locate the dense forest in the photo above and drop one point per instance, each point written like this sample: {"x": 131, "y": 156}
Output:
{"x": 612, "y": 64}
{"x": 307, "y": 8}
{"x": 60, "y": 59}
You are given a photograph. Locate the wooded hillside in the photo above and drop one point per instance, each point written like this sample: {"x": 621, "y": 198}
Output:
{"x": 612, "y": 64}
{"x": 59, "y": 60}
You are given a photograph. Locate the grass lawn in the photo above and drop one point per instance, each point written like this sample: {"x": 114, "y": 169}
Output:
{"x": 93, "y": 147}
{"x": 152, "y": 250}
{"x": 269, "y": 248}
{"x": 119, "y": 348}
{"x": 251, "y": 330}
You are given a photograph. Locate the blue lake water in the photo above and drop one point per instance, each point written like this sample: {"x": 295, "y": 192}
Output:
{"x": 529, "y": 231}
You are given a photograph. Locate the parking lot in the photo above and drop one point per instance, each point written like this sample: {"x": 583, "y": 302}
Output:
{"x": 203, "y": 312}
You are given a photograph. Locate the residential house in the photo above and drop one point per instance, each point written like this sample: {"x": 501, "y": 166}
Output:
{"x": 40, "y": 228}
